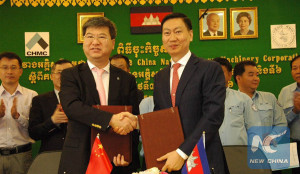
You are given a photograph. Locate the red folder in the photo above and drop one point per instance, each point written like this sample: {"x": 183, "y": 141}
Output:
{"x": 161, "y": 133}
{"x": 113, "y": 143}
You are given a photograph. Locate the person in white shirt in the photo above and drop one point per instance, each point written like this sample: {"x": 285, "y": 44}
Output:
{"x": 15, "y": 143}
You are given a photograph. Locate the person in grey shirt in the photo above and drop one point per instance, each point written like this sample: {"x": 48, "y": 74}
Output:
{"x": 289, "y": 98}
{"x": 238, "y": 111}
{"x": 268, "y": 111}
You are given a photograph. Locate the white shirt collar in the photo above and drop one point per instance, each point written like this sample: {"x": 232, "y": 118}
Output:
{"x": 183, "y": 61}
{"x": 255, "y": 94}
{"x": 212, "y": 33}
{"x": 91, "y": 66}
{"x": 294, "y": 87}
{"x": 18, "y": 89}
{"x": 56, "y": 93}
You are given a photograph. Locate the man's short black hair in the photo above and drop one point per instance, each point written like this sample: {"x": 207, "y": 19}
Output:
{"x": 224, "y": 62}
{"x": 100, "y": 22}
{"x": 297, "y": 57}
{"x": 11, "y": 55}
{"x": 117, "y": 56}
{"x": 59, "y": 62}
{"x": 239, "y": 68}
{"x": 185, "y": 19}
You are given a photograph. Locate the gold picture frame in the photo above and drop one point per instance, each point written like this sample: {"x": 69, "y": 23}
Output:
{"x": 213, "y": 25}
{"x": 243, "y": 23}
{"x": 81, "y": 19}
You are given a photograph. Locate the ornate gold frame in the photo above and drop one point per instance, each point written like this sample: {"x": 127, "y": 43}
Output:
{"x": 234, "y": 12}
{"x": 81, "y": 19}
{"x": 202, "y": 25}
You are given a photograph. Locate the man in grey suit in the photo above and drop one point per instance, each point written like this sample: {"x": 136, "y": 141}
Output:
{"x": 81, "y": 87}
{"x": 213, "y": 24}
{"x": 199, "y": 96}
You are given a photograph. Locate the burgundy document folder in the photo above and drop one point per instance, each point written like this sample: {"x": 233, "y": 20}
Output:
{"x": 161, "y": 133}
{"x": 113, "y": 143}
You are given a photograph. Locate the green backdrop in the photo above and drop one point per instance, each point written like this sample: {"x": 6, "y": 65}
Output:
{"x": 61, "y": 23}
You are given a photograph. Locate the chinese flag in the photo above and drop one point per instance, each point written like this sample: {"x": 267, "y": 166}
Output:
{"x": 99, "y": 161}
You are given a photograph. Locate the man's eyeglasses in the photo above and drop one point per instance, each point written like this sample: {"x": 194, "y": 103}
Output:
{"x": 6, "y": 68}
{"x": 90, "y": 38}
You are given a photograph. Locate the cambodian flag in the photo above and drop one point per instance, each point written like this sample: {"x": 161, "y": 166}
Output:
{"x": 148, "y": 19}
{"x": 197, "y": 162}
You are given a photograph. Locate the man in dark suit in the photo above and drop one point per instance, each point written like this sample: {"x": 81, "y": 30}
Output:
{"x": 81, "y": 88}
{"x": 213, "y": 24}
{"x": 199, "y": 96}
{"x": 47, "y": 121}
{"x": 122, "y": 62}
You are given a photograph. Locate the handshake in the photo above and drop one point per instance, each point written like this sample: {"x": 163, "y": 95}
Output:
{"x": 123, "y": 123}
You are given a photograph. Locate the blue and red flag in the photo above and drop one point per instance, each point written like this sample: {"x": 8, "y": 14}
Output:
{"x": 148, "y": 19}
{"x": 197, "y": 162}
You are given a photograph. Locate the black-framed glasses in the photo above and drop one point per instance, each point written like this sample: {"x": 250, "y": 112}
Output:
{"x": 91, "y": 38}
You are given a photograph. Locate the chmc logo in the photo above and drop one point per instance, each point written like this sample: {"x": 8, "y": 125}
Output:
{"x": 37, "y": 44}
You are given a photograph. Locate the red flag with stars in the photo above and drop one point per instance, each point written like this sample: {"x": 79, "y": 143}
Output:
{"x": 99, "y": 161}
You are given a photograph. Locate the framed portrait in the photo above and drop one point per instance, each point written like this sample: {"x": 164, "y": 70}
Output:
{"x": 214, "y": 24}
{"x": 81, "y": 19}
{"x": 243, "y": 23}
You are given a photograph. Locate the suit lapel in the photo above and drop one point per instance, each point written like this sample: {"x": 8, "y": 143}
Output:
{"x": 52, "y": 98}
{"x": 88, "y": 79}
{"x": 166, "y": 86}
{"x": 52, "y": 102}
{"x": 187, "y": 74}
{"x": 114, "y": 84}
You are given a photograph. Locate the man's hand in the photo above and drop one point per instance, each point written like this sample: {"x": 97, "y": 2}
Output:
{"x": 133, "y": 119}
{"x": 174, "y": 161}
{"x": 120, "y": 161}
{"x": 2, "y": 109}
{"x": 296, "y": 100}
{"x": 14, "y": 111}
{"x": 123, "y": 123}
{"x": 59, "y": 116}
